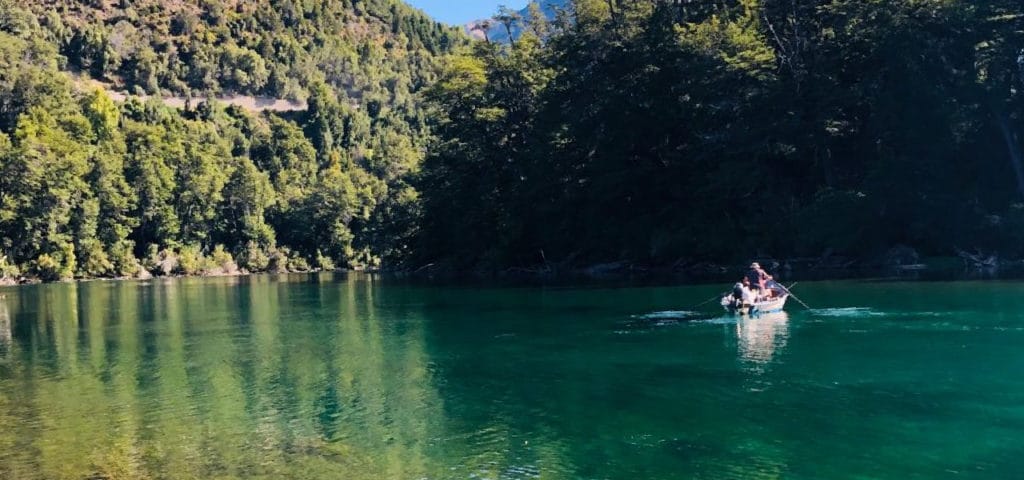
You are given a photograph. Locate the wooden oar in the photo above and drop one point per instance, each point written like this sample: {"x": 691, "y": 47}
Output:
{"x": 801, "y": 302}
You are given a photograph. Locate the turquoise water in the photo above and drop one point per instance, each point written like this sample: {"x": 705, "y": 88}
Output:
{"x": 331, "y": 376}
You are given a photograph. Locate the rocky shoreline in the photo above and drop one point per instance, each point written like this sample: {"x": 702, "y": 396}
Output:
{"x": 185, "y": 263}
{"x": 898, "y": 262}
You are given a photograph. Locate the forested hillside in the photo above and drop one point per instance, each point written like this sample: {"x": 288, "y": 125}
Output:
{"x": 91, "y": 188}
{"x": 659, "y": 132}
{"x": 652, "y": 132}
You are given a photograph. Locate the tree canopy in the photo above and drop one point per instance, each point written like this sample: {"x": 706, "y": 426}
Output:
{"x": 641, "y": 130}
{"x": 657, "y": 131}
{"x": 94, "y": 188}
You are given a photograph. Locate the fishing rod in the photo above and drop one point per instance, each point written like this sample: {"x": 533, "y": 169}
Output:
{"x": 705, "y": 302}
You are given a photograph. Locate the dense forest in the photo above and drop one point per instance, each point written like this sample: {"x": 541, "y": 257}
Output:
{"x": 644, "y": 131}
{"x": 94, "y": 188}
{"x": 661, "y": 132}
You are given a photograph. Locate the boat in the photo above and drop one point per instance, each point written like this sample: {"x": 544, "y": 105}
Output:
{"x": 773, "y": 303}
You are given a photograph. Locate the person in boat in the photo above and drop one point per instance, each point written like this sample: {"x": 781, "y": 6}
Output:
{"x": 741, "y": 295}
{"x": 738, "y": 293}
{"x": 758, "y": 279}
{"x": 749, "y": 296}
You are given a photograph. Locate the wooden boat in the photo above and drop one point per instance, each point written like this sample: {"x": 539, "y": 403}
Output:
{"x": 774, "y": 303}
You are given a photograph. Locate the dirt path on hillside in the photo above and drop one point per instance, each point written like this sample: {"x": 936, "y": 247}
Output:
{"x": 248, "y": 102}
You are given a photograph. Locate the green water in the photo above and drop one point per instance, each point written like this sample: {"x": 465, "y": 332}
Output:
{"x": 310, "y": 377}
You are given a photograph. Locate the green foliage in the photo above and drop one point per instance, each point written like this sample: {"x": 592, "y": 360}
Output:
{"x": 221, "y": 262}
{"x": 90, "y": 185}
{"x": 658, "y": 131}
{"x": 284, "y": 260}
{"x": 254, "y": 258}
{"x": 190, "y": 260}
{"x": 642, "y": 130}
{"x": 59, "y": 264}
{"x": 160, "y": 262}
{"x": 8, "y": 270}
{"x": 324, "y": 263}
{"x": 278, "y": 260}
{"x": 124, "y": 260}
{"x": 263, "y": 47}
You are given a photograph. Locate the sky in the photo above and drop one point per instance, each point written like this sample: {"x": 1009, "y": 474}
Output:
{"x": 458, "y": 12}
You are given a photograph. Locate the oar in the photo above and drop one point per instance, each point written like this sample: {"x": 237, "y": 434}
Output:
{"x": 801, "y": 302}
{"x": 705, "y": 302}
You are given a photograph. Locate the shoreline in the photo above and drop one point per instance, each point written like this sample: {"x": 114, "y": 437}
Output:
{"x": 28, "y": 281}
{"x": 936, "y": 268}
{"x": 819, "y": 268}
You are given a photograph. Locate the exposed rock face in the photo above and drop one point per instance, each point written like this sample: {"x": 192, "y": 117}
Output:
{"x": 496, "y": 32}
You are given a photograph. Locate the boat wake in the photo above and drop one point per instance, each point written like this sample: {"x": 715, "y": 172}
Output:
{"x": 864, "y": 312}
{"x": 723, "y": 320}
{"x": 667, "y": 318}
{"x": 848, "y": 312}
{"x": 667, "y": 315}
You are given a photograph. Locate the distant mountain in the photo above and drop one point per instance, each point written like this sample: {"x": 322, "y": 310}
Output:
{"x": 497, "y": 33}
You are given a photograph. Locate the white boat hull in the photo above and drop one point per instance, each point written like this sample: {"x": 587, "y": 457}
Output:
{"x": 775, "y": 304}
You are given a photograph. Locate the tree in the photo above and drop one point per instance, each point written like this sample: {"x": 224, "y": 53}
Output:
{"x": 43, "y": 190}
{"x": 247, "y": 195}
{"x": 153, "y": 180}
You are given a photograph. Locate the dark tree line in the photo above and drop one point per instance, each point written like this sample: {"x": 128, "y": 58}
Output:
{"x": 655, "y": 131}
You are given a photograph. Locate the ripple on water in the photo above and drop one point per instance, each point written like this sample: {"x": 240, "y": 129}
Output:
{"x": 864, "y": 312}
{"x": 847, "y": 312}
{"x": 723, "y": 320}
{"x": 667, "y": 318}
{"x": 667, "y": 315}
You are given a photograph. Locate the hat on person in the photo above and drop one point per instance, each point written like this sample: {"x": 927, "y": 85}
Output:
{"x": 755, "y": 265}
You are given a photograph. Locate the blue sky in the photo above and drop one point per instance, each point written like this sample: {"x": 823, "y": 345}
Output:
{"x": 458, "y": 12}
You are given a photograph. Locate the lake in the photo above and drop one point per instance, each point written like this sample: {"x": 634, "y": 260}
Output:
{"x": 333, "y": 376}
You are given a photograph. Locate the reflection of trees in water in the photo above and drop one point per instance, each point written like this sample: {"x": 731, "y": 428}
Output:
{"x": 524, "y": 389}
{"x": 9, "y": 407}
{"x": 5, "y": 327}
{"x": 205, "y": 379}
{"x": 762, "y": 337}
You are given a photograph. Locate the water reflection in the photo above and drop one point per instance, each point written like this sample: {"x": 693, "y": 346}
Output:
{"x": 311, "y": 377}
{"x": 323, "y": 377}
{"x": 5, "y": 327}
{"x": 219, "y": 378}
{"x": 762, "y": 337}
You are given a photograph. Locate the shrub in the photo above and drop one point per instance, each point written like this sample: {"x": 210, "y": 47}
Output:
{"x": 297, "y": 263}
{"x": 220, "y": 262}
{"x": 253, "y": 258}
{"x": 96, "y": 262}
{"x": 279, "y": 260}
{"x": 58, "y": 265}
{"x": 190, "y": 260}
{"x": 324, "y": 263}
{"x": 155, "y": 261}
{"x": 7, "y": 269}
{"x": 125, "y": 263}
